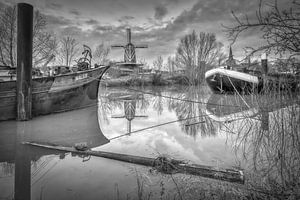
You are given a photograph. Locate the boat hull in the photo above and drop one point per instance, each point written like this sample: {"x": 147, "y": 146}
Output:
{"x": 223, "y": 80}
{"x": 54, "y": 94}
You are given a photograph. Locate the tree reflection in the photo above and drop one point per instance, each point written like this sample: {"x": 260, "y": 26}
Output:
{"x": 191, "y": 109}
{"x": 184, "y": 101}
{"x": 272, "y": 145}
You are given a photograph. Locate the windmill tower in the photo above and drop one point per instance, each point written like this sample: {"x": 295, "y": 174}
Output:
{"x": 129, "y": 52}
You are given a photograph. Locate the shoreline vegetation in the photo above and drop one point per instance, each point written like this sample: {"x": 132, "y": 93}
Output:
{"x": 155, "y": 79}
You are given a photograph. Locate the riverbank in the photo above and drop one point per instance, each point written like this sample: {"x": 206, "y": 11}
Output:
{"x": 145, "y": 80}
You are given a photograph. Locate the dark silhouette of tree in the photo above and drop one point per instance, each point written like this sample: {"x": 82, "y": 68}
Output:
{"x": 279, "y": 28}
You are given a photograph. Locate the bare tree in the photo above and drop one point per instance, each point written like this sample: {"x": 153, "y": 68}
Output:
{"x": 144, "y": 63}
{"x": 197, "y": 53}
{"x": 68, "y": 49}
{"x": 101, "y": 54}
{"x": 158, "y": 63}
{"x": 171, "y": 64}
{"x": 280, "y": 28}
{"x": 8, "y": 36}
{"x": 44, "y": 44}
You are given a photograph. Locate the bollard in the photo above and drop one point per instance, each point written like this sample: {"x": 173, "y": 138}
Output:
{"x": 24, "y": 61}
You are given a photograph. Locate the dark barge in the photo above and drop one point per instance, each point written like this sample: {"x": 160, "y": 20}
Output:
{"x": 52, "y": 94}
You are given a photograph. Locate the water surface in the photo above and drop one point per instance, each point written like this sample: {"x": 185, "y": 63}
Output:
{"x": 187, "y": 123}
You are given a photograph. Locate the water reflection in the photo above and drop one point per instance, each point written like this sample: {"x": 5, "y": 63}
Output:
{"x": 273, "y": 145}
{"x": 258, "y": 133}
{"x": 191, "y": 116}
{"x": 24, "y": 162}
{"x": 267, "y": 130}
{"x": 129, "y": 103}
{"x": 262, "y": 131}
{"x": 162, "y": 120}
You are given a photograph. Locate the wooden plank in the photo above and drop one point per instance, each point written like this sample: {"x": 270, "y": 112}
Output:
{"x": 162, "y": 163}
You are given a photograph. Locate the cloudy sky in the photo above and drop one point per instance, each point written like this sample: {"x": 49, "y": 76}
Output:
{"x": 158, "y": 23}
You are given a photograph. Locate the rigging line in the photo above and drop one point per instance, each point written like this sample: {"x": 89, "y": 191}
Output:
{"x": 187, "y": 100}
{"x": 238, "y": 92}
{"x": 154, "y": 126}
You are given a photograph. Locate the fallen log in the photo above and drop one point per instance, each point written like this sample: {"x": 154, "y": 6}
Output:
{"x": 162, "y": 164}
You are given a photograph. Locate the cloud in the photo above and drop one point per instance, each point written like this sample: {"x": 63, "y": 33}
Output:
{"x": 104, "y": 28}
{"x": 162, "y": 34}
{"x": 54, "y": 6}
{"x": 73, "y": 31}
{"x": 75, "y": 12}
{"x": 172, "y": 1}
{"x": 160, "y": 11}
{"x": 92, "y": 22}
{"x": 125, "y": 19}
{"x": 57, "y": 20}
{"x": 2, "y": 5}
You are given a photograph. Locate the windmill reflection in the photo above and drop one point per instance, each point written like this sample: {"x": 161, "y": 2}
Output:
{"x": 125, "y": 100}
{"x": 129, "y": 101}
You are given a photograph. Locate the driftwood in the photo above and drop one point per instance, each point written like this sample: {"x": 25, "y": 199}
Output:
{"x": 163, "y": 164}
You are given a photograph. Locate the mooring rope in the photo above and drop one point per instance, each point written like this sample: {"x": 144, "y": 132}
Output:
{"x": 238, "y": 92}
{"x": 179, "y": 99}
{"x": 154, "y": 126}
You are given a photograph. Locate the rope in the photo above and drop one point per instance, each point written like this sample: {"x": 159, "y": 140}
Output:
{"x": 187, "y": 100}
{"x": 154, "y": 126}
{"x": 238, "y": 92}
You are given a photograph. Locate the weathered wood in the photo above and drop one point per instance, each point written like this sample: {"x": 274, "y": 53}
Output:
{"x": 230, "y": 175}
{"x": 53, "y": 93}
{"x": 24, "y": 61}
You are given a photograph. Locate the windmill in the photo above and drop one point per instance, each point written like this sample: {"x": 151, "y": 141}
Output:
{"x": 129, "y": 52}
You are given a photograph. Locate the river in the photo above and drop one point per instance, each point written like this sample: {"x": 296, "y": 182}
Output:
{"x": 254, "y": 133}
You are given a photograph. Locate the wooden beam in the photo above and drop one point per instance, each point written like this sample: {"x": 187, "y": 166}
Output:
{"x": 24, "y": 61}
{"x": 230, "y": 175}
